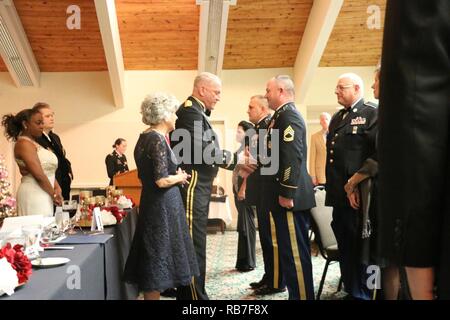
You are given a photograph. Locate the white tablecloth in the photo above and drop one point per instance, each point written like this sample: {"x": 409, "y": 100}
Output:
{"x": 220, "y": 210}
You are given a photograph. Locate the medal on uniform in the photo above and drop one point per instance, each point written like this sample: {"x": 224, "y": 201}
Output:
{"x": 355, "y": 129}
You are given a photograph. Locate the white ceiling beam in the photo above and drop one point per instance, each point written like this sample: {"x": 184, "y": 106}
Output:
{"x": 318, "y": 29}
{"x": 15, "y": 48}
{"x": 109, "y": 29}
{"x": 212, "y": 34}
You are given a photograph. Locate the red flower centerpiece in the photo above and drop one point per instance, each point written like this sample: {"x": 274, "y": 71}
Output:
{"x": 18, "y": 260}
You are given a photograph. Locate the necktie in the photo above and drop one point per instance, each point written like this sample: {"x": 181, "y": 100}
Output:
{"x": 345, "y": 113}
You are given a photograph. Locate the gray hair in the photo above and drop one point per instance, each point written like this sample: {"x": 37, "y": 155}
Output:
{"x": 206, "y": 77}
{"x": 158, "y": 107}
{"x": 356, "y": 80}
{"x": 325, "y": 114}
{"x": 285, "y": 82}
{"x": 261, "y": 100}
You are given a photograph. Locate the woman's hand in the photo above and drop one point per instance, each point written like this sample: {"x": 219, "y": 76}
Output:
{"x": 241, "y": 195}
{"x": 57, "y": 199}
{"x": 354, "y": 198}
{"x": 183, "y": 176}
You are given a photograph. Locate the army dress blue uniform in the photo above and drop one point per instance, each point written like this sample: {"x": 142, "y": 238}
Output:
{"x": 290, "y": 226}
{"x": 193, "y": 117}
{"x": 271, "y": 278}
{"x": 115, "y": 164}
{"x": 350, "y": 141}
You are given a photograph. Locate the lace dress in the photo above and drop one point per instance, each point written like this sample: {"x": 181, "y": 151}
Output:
{"x": 162, "y": 255}
{"x": 31, "y": 198}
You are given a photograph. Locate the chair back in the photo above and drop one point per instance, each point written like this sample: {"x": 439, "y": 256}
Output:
{"x": 321, "y": 218}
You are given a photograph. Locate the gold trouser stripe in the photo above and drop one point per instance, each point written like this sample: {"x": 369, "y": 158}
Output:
{"x": 191, "y": 202}
{"x": 193, "y": 292}
{"x": 296, "y": 255}
{"x": 276, "y": 267}
{"x": 374, "y": 297}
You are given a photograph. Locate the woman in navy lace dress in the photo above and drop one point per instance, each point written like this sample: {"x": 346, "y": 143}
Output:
{"x": 162, "y": 255}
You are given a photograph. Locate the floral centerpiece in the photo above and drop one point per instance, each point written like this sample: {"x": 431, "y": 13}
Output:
{"x": 7, "y": 201}
{"x": 15, "y": 268}
{"x": 110, "y": 215}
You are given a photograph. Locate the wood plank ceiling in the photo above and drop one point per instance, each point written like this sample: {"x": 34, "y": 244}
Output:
{"x": 351, "y": 42}
{"x": 159, "y": 34}
{"x": 57, "y": 48}
{"x": 265, "y": 33}
{"x": 163, "y": 34}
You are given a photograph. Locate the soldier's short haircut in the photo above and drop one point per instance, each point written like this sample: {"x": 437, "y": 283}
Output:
{"x": 356, "y": 80}
{"x": 286, "y": 83}
{"x": 158, "y": 107}
{"x": 261, "y": 100}
{"x": 206, "y": 77}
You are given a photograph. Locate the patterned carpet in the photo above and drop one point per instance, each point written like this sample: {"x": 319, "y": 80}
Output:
{"x": 223, "y": 282}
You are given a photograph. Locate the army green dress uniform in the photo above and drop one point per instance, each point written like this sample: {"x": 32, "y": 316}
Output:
{"x": 115, "y": 164}
{"x": 192, "y": 116}
{"x": 290, "y": 226}
{"x": 350, "y": 141}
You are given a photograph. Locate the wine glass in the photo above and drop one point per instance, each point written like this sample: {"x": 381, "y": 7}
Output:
{"x": 32, "y": 235}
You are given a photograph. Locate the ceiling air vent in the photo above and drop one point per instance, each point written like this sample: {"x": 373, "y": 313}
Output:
{"x": 15, "y": 48}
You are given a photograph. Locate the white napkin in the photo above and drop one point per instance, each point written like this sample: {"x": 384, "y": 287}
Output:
{"x": 8, "y": 279}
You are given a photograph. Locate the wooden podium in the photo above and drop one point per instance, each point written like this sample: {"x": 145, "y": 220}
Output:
{"x": 130, "y": 184}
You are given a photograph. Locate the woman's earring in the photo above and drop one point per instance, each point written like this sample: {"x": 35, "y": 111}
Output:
{"x": 25, "y": 127}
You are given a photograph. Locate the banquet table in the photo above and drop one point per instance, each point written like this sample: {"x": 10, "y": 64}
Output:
{"x": 61, "y": 283}
{"x": 100, "y": 260}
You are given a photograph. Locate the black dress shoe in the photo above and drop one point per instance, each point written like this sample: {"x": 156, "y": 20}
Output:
{"x": 268, "y": 290}
{"x": 170, "y": 293}
{"x": 259, "y": 284}
{"x": 245, "y": 269}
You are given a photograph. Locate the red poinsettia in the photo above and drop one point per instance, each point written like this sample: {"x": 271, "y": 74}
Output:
{"x": 118, "y": 214}
{"x": 18, "y": 260}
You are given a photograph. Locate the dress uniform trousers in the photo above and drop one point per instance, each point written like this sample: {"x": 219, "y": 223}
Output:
{"x": 196, "y": 198}
{"x": 291, "y": 229}
{"x": 273, "y": 274}
{"x": 346, "y": 228}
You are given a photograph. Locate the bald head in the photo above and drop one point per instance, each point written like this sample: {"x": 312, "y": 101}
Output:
{"x": 207, "y": 88}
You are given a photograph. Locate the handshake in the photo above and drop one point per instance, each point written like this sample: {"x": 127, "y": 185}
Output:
{"x": 246, "y": 164}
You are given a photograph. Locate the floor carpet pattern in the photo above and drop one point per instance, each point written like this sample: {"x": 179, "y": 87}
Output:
{"x": 224, "y": 282}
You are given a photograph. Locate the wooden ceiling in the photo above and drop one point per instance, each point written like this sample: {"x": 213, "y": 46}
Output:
{"x": 57, "y": 48}
{"x": 163, "y": 34}
{"x": 351, "y": 42}
{"x": 159, "y": 34}
{"x": 265, "y": 33}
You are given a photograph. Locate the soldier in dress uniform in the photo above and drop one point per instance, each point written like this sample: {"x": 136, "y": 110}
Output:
{"x": 52, "y": 141}
{"x": 116, "y": 162}
{"x": 288, "y": 193}
{"x": 350, "y": 141}
{"x": 259, "y": 114}
{"x": 202, "y": 163}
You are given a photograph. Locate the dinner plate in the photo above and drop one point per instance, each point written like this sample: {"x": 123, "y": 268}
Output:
{"x": 49, "y": 262}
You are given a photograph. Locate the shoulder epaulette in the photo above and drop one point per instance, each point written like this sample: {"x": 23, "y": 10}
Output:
{"x": 371, "y": 104}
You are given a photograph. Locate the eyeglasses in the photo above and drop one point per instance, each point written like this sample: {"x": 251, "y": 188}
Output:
{"x": 341, "y": 88}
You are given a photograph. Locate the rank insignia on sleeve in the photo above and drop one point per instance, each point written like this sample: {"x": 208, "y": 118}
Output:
{"x": 288, "y": 134}
{"x": 188, "y": 103}
{"x": 286, "y": 175}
